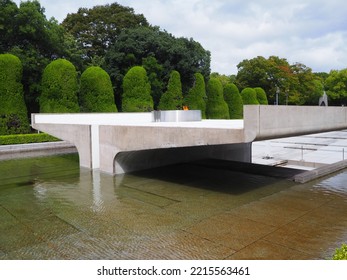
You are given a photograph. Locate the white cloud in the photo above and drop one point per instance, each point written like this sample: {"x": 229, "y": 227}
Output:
{"x": 312, "y": 32}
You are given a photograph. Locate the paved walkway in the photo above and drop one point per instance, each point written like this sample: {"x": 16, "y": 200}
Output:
{"x": 304, "y": 152}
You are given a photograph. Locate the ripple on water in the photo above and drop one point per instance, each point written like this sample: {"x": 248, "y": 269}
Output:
{"x": 336, "y": 184}
{"x": 50, "y": 209}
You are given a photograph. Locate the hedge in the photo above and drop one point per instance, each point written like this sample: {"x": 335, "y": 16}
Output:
{"x": 249, "y": 96}
{"x": 216, "y": 107}
{"x": 261, "y": 96}
{"x": 195, "y": 99}
{"x": 13, "y": 111}
{"x": 136, "y": 91}
{"x": 26, "y": 138}
{"x": 341, "y": 253}
{"x": 59, "y": 88}
{"x": 96, "y": 92}
{"x": 234, "y": 100}
{"x": 172, "y": 99}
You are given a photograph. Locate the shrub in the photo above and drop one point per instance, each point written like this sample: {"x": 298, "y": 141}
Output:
{"x": 216, "y": 107}
{"x": 13, "y": 111}
{"x": 136, "y": 91}
{"x": 172, "y": 99}
{"x": 341, "y": 253}
{"x": 249, "y": 96}
{"x": 26, "y": 138}
{"x": 96, "y": 92}
{"x": 195, "y": 99}
{"x": 261, "y": 96}
{"x": 234, "y": 100}
{"x": 59, "y": 88}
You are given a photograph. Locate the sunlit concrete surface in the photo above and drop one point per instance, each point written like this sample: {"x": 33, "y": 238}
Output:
{"x": 102, "y": 139}
{"x": 304, "y": 152}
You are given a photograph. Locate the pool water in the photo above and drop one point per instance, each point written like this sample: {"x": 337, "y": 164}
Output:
{"x": 52, "y": 209}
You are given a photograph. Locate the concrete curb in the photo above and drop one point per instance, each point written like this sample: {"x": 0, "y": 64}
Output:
{"x": 36, "y": 149}
{"x": 320, "y": 172}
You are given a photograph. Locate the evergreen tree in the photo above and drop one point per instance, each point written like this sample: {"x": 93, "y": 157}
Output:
{"x": 13, "y": 112}
{"x": 249, "y": 96}
{"x": 261, "y": 96}
{"x": 136, "y": 91}
{"x": 172, "y": 98}
{"x": 59, "y": 88}
{"x": 234, "y": 100}
{"x": 216, "y": 107}
{"x": 195, "y": 100}
{"x": 96, "y": 92}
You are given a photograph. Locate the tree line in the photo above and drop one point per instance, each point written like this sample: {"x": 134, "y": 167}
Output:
{"x": 63, "y": 92}
{"x": 116, "y": 39}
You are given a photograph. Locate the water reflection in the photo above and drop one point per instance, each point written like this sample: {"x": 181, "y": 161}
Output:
{"x": 336, "y": 184}
{"x": 50, "y": 209}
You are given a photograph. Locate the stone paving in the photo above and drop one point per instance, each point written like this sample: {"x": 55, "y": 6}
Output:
{"x": 304, "y": 152}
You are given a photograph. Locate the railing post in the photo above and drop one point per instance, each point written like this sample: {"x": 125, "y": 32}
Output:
{"x": 343, "y": 153}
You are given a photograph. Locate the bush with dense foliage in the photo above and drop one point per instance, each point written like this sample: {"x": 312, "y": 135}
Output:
{"x": 234, "y": 100}
{"x": 134, "y": 45}
{"x": 341, "y": 253}
{"x": 26, "y": 32}
{"x": 26, "y": 138}
{"x": 261, "y": 96}
{"x": 216, "y": 107}
{"x": 136, "y": 91}
{"x": 96, "y": 92}
{"x": 13, "y": 112}
{"x": 249, "y": 96}
{"x": 195, "y": 99}
{"x": 172, "y": 99}
{"x": 59, "y": 88}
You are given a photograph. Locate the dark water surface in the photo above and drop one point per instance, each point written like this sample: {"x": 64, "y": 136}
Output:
{"x": 50, "y": 209}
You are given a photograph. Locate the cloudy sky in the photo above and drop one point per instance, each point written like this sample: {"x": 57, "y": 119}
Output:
{"x": 313, "y": 32}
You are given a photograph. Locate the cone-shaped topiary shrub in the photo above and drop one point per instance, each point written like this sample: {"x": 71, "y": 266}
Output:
{"x": 59, "y": 88}
{"x": 136, "y": 91}
{"x": 249, "y": 96}
{"x": 195, "y": 99}
{"x": 172, "y": 99}
{"x": 96, "y": 92}
{"x": 13, "y": 111}
{"x": 261, "y": 96}
{"x": 234, "y": 100}
{"x": 216, "y": 107}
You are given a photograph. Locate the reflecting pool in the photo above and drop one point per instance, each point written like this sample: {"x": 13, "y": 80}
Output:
{"x": 50, "y": 209}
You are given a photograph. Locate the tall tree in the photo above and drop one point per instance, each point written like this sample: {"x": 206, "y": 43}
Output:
{"x": 95, "y": 29}
{"x": 234, "y": 100}
{"x": 336, "y": 86}
{"x": 155, "y": 73}
{"x": 96, "y": 92}
{"x": 59, "y": 88}
{"x": 224, "y": 79}
{"x": 136, "y": 91}
{"x": 294, "y": 84}
{"x": 8, "y": 13}
{"x": 133, "y": 45}
{"x": 308, "y": 87}
{"x": 13, "y": 112}
{"x": 172, "y": 99}
{"x": 196, "y": 98}
{"x": 216, "y": 107}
